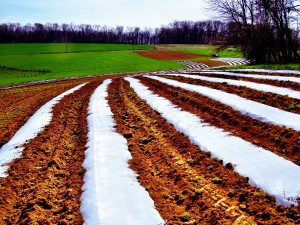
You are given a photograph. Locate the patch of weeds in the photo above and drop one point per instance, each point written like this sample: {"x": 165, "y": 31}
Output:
{"x": 171, "y": 153}
{"x": 133, "y": 126}
{"x": 209, "y": 168}
{"x": 81, "y": 171}
{"x": 216, "y": 180}
{"x": 293, "y": 106}
{"x": 185, "y": 98}
{"x": 141, "y": 102}
{"x": 190, "y": 161}
{"x": 195, "y": 179}
{"x": 172, "y": 137}
{"x": 130, "y": 144}
{"x": 155, "y": 173}
{"x": 229, "y": 166}
{"x": 48, "y": 150}
{"x": 231, "y": 193}
{"x": 145, "y": 140}
{"x": 185, "y": 217}
{"x": 153, "y": 132}
{"x": 179, "y": 199}
{"x": 164, "y": 135}
{"x": 197, "y": 191}
{"x": 277, "y": 140}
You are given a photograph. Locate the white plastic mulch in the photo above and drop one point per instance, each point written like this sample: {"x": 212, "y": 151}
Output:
{"x": 247, "y": 107}
{"x": 111, "y": 192}
{"x": 257, "y": 76}
{"x": 260, "y": 87}
{"x": 13, "y": 149}
{"x": 273, "y": 174}
{"x": 233, "y": 61}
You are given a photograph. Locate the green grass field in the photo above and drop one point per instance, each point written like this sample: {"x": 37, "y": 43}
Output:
{"x": 203, "y": 50}
{"x": 25, "y": 62}
{"x": 81, "y": 59}
{"x": 48, "y": 48}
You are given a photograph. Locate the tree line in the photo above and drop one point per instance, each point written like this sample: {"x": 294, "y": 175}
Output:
{"x": 178, "y": 32}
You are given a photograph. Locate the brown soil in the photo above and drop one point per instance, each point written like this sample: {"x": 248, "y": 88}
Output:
{"x": 167, "y": 55}
{"x": 187, "y": 186}
{"x": 282, "y": 141}
{"x": 213, "y": 63}
{"x": 275, "y": 100}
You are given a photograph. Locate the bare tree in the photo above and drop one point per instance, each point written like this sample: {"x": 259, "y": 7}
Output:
{"x": 262, "y": 28}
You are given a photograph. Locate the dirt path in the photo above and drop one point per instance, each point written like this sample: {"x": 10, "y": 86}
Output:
{"x": 186, "y": 185}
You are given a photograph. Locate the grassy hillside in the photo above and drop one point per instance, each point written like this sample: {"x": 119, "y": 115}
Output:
{"x": 26, "y": 61}
{"x": 203, "y": 50}
{"x": 21, "y": 49}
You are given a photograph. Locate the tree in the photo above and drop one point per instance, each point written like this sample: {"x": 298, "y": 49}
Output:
{"x": 262, "y": 28}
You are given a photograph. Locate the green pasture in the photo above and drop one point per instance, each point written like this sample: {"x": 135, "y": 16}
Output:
{"x": 54, "y": 48}
{"x": 80, "y": 60}
{"x": 203, "y": 50}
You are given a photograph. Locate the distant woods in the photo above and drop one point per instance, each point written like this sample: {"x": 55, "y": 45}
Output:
{"x": 261, "y": 28}
{"x": 178, "y": 32}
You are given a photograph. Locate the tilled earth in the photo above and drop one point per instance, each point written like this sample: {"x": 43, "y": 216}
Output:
{"x": 186, "y": 184}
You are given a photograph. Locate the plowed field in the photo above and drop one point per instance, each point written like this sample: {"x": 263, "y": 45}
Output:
{"x": 187, "y": 180}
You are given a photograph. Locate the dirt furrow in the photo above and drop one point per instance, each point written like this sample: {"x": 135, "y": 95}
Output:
{"x": 285, "y": 84}
{"x": 275, "y": 100}
{"x": 282, "y": 141}
{"x": 187, "y": 186}
{"x": 44, "y": 185}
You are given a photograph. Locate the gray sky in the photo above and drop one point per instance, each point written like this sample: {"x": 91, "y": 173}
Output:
{"x": 142, "y": 13}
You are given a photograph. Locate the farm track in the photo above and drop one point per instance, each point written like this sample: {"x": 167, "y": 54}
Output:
{"x": 282, "y": 141}
{"x": 275, "y": 100}
{"x": 286, "y": 84}
{"x": 178, "y": 175}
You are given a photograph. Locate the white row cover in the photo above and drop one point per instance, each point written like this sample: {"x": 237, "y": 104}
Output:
{"x": 247, "y": 107}
{"x": 111, "y": 191}
{"x": 260, "y": 87}
{"x": 13, "y": 149}
{"x": 273, "y": 174}
{"x": 257, "y": 76}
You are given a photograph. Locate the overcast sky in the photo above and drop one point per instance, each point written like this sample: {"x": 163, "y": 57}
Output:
{"x": 141, "y": 13}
